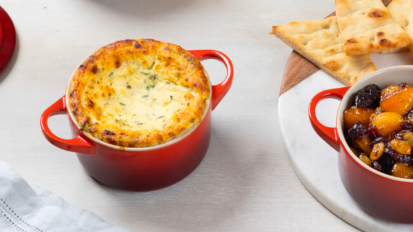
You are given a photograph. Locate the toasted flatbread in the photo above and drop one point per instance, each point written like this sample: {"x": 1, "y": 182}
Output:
{"x": 395, "y": 50}
{"x": 402, "y": 11}
{"x": 319, "y": 42}
{"x": 367, "y": 26}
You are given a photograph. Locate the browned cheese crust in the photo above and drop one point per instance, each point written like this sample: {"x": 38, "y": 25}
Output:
{"x": 139, "y": 93}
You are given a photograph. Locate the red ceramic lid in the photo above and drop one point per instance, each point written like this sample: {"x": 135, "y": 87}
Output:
{"x": 7, "y": 38}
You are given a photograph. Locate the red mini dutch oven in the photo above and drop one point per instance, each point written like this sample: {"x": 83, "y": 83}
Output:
{"x": 382, "y": 195}
{"x": 141, "y": 169}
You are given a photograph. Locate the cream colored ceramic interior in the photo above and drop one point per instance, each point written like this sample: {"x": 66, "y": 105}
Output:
{"x": 382, "y": 78}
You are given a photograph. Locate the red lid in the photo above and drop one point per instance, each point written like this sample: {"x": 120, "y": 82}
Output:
{"x": 7, "y": 38}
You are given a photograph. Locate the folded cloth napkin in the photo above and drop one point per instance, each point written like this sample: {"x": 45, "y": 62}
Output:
{"x": 26, "y": 208}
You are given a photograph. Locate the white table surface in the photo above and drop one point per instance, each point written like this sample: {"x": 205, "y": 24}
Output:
{"x": 245, "y": 182}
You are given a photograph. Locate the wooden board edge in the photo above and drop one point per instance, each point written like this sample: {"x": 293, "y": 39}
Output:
{"x": 294, "y": 75}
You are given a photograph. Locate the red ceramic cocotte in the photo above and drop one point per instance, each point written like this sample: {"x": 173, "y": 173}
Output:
{"x": 379, "y": 194}
{"x": 7, "y": 38}
{"x": 142, "y": 169}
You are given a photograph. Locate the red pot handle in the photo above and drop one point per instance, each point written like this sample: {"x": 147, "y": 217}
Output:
{"x": 329, "y": 134}
{"x": 78, "y": 144}
{"x": 218, "y": 91}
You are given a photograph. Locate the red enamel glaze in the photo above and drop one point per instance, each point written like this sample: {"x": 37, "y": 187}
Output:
{"x": 328, "y": 134}
{"x": 142, "y": 169}
{"x": 378, "y": 194}
{"x": 78, "y": 144}
{"x": 218, "y": 91}
{"x": 7, "y": 38}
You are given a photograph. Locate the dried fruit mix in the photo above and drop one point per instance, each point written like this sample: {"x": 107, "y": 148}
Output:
{"x": 378, "y": 128}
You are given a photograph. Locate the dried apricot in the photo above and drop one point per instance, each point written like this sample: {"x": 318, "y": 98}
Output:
{"x": 401, "y": 170}
{"x": 389, "y": 91}
{"x": 377, "y": 151}
{"x": 354, "y": 114}
{"x": 401, "y": 147}
{"x": 388, "y": 122}
{"x": 400, "y": 101}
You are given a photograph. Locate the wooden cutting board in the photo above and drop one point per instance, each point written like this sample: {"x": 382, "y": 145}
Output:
{"x": 299, "y": 68}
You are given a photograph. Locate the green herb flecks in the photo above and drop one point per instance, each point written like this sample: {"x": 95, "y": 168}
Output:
{"x": 122, "y": 103}
{"x": 150, "y": 87}
{"x": 153, "y": 77}
{"x": 161, "y": 116}
{"x": 145, "y": 96}
{"x": 110, "y": 74}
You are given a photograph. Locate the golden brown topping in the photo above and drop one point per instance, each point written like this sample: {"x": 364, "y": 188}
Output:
{"x": 352, "y": 41}
{"x": 90, "y": 103}
{"x": 385, "y": 42}
{"x": 94, "y": 69}
{"x": 376, "y": 13}
{"x": 139, "y": 93}
{"x": 333, "y": 65}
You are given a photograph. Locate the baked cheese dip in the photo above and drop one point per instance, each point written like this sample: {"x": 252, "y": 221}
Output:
{"x": 139, "y": 93}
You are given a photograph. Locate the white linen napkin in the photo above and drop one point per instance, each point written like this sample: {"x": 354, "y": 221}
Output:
{"x": 25, "y": 208}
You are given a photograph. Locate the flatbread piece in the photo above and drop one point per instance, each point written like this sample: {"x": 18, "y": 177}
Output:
{"x": 319, "y": 42}
{"x": 402, "y": 11}
{"x": 367, "y": 27}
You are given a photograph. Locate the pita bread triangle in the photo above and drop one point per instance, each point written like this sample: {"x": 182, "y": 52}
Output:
{"x": 319, "y": 41}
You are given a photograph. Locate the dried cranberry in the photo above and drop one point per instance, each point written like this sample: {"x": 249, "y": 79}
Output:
{"x": 386, "y": 163}
{"x": 368, "y": 97}
{"x": 374, "y": 132}
{"x": 358, "y": 131}
{"x": 406, "y": 126}
{"x": 399, "y": 158}
{"x": 403, "y": 85}
{"x": 376, "y": 165}
{"x": 400, "y": 134}
{"x": 380, "y": 140}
